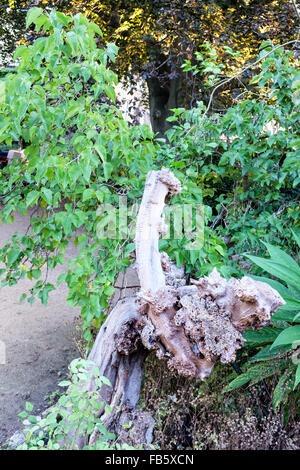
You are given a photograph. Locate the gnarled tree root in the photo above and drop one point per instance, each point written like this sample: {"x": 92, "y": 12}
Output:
{"x": 190, "y": 325}
{"x": 193, "y": 329}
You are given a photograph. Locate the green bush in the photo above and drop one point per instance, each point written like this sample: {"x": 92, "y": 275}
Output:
{"x": 73, "y": 416}
{"x": 279, "y": 344}
{"x": 81, "y": 155}
{"x": 247, "y": 160}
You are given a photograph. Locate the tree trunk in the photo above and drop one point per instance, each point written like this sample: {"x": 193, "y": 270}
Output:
{"x": 163, "y": 98}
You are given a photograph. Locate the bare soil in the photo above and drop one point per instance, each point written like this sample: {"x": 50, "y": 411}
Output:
{"x": 38, "y": 340}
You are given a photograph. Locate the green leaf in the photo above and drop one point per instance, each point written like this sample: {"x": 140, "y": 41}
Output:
{"x": 87, "y": 194}
{"x": 65, "y": 383}
{"x": 284, "y": 259}
{"x": 112, "y": 51}
{"x": 106, "y": 381}
{"x": 44, "y": 293}
{"x": 32, "y": 197}
{"x": 296, "y": 317}
{"x": 263, "y": 336}
{"x": 287, "y": 336}
{"x": 21, "y": 51}
{"x": 242, "y": 379}
{"x": 36, "y": 273}
{"x": 282, "y": 271}
{"x": 297, "y": 377}
{"x": 47, "y": 193}
{"x": 32, "y": 419}
{"x": 32, "y": 15}
{"x": 109, "y": 290}
{"x": 64, "y": 19}
{"x": 107, "y": 167}
{"x": 28, "y": 406}
{"x": 129, "y": 249}
{"x": 61, "y": 278}
{"x": 257, "y": 373}
{"x": 266, "y": 354}
{"x": 73, "y": 110}
{"x": 220, "y": 249}
{"x": 297, "y": 237}
{"x": 22, "y": 298}
{"x": 110, "y": 92}
{"x": 81, "y": 404}
{"x": 283, "y": 315}
{"x": 12, "y": 256}
{"x": 283, "y": 387}
{"x": 95, "y": 28}
{"x": 86, "y": 170}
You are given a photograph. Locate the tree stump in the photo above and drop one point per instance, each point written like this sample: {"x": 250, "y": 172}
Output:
{"x": 191, "y": 325}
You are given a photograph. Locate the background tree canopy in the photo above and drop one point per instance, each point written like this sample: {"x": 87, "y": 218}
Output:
{"x": 156, "y": 37}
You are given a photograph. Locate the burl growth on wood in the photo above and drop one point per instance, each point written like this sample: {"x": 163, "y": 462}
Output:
{"x": 192, "y": 326}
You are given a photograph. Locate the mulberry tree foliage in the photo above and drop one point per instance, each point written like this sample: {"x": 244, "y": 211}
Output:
{"x": 155, "y": 37}
{"x": 80, "y": 153}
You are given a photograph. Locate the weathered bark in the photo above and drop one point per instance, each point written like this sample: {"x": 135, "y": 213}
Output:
{"x": 192, "y": 329}
{"x": 157, "y": 300}
{"x": 120, "y": 355}
{"x": 190, "y": 325}
{"x": 117, "y": 353}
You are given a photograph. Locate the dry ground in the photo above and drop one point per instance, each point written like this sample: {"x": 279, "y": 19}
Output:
{"x": 38, "y": 341}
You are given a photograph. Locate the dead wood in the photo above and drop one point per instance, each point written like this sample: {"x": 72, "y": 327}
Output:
{"x": 191, "y": 325}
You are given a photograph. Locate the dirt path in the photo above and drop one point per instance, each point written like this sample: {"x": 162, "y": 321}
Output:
{"x": 38, "y": 341}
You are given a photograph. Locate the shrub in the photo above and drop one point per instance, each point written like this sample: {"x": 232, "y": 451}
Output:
{"x": 72, "y": 417}
{"x": 279, "y": 344}
{"x": 247, "y": 158}
{"x": 82, "y": 156}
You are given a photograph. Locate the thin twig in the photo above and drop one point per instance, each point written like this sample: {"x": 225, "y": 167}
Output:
{"x": 296, "y": 9}
{"x": 223, "y": 82}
